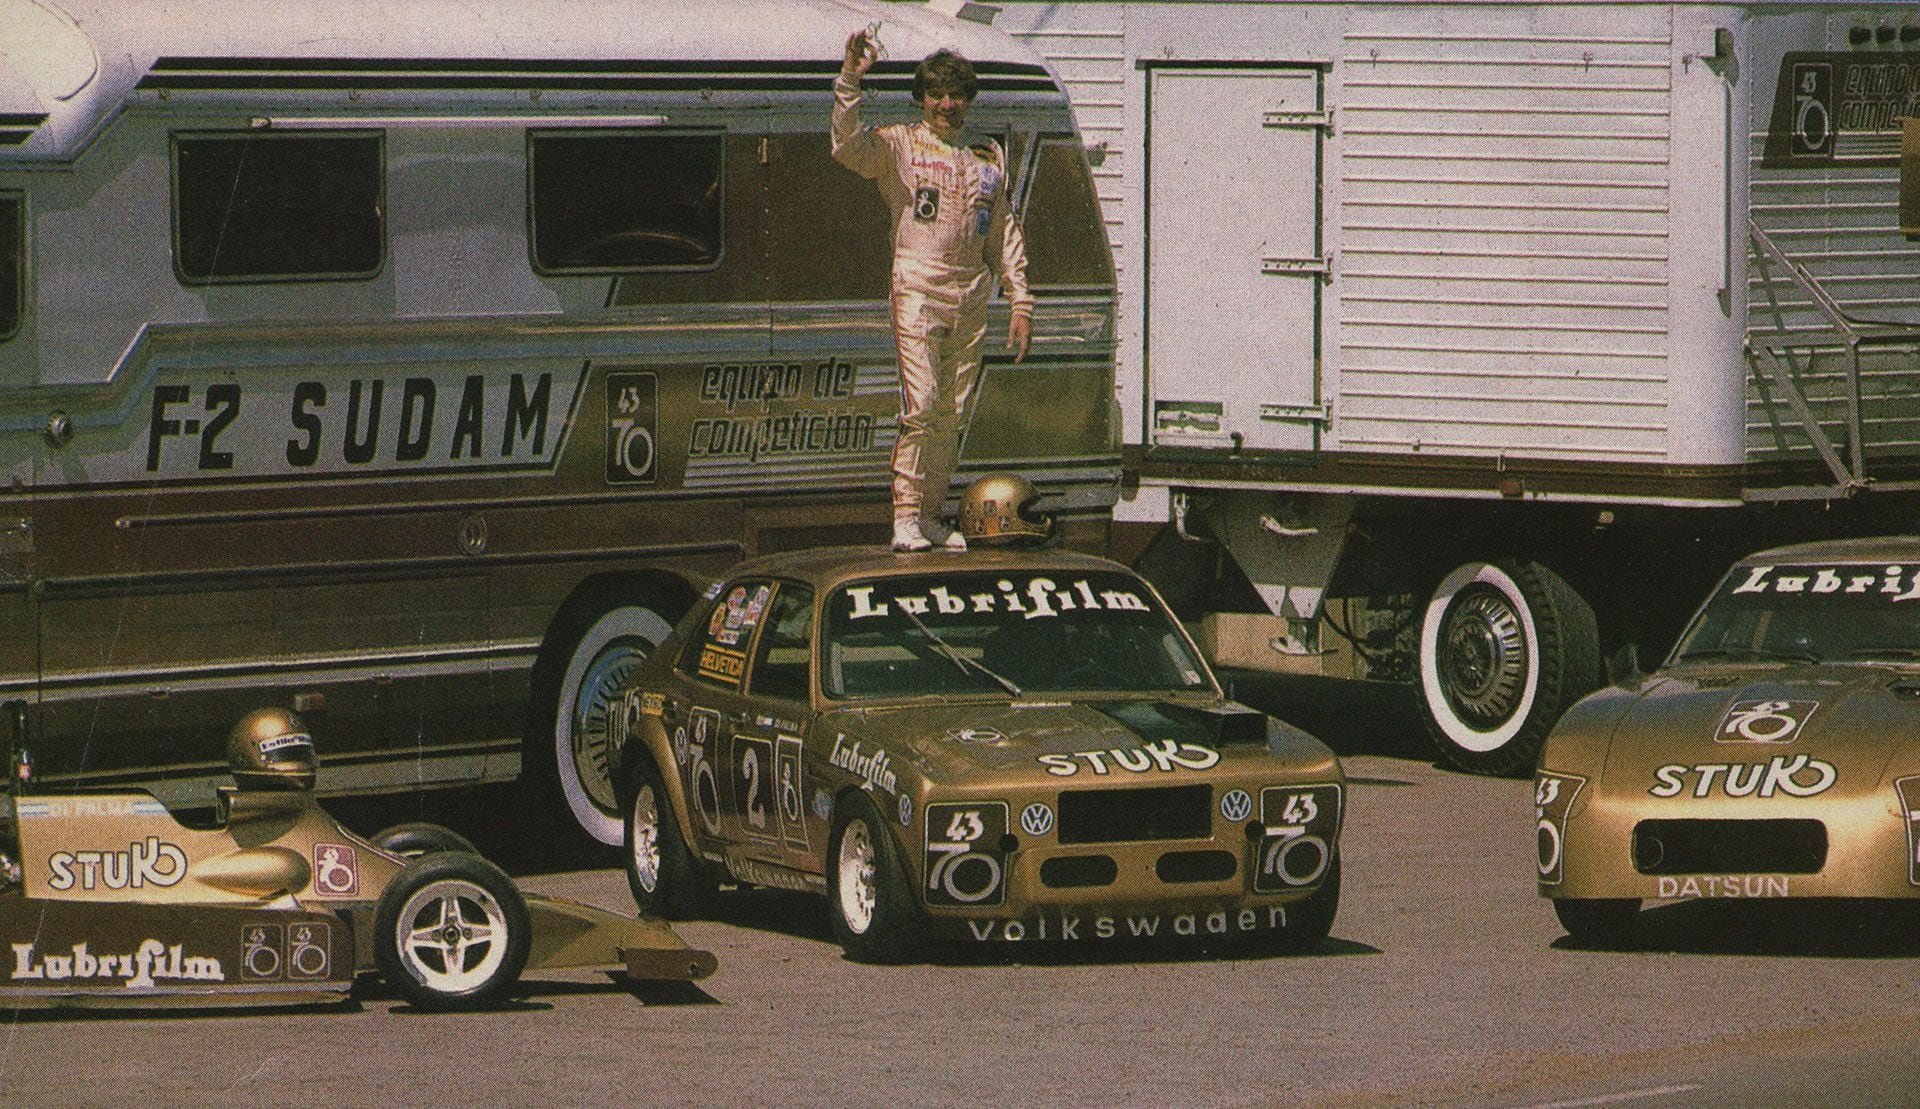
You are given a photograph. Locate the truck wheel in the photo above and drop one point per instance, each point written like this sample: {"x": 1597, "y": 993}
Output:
{"x": 1600, "y": 922}
{"x": 1505, "y": 648}
{"x": 451, "y": 931}
{"x": 868, "y": 895}
{"x": 666, "y": 880}
{"x": 410, "y": 841}
{"x": 603, "y": 653}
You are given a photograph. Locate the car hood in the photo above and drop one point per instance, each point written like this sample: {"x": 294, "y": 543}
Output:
{"x": 1096, "y": 738}
{"x": 1812, "y": 728}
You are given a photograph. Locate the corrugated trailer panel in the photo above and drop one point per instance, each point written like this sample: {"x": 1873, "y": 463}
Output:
{"x": 1503, "y": 233}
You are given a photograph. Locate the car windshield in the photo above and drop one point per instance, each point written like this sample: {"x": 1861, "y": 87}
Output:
{"x": 1811, "y": 612}
{"x": 1003, "y": 632}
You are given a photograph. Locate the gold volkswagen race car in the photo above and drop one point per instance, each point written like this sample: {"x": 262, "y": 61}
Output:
{"x": 109, "y": 899}
{"x": 995, "y": 747}
{"x": 1775, "y": 755}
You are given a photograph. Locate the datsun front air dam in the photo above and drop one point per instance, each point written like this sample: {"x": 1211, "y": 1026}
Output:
{"x": 993, "y": 747}
{"x": 109, "y": 900}
{"x": 1775, "y": 755}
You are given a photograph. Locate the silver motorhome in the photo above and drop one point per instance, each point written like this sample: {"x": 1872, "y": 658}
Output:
{"x": 1466, "y": 343}
{"x": 414, "y": 364}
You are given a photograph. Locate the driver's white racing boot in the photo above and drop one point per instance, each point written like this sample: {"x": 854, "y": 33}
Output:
{"x": 940, "y": 535}
{"x": 907, "y": 536}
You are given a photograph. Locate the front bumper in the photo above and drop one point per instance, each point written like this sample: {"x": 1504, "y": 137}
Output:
{"x": 1207, "y": 859}
{"x": 1613, "y": 846}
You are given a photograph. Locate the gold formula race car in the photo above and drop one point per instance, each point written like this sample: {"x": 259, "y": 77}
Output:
{"x": 994, "y": 747}
{"x": 1776, "y": 754}
{"x": 108, "y": 899}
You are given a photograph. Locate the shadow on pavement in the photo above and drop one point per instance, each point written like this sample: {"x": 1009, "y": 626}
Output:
{"x": 1811, "y": 928}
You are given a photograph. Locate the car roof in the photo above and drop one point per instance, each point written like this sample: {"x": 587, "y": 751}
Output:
{"x": 826, "y": 567}
{"x": 1879, "y": 548}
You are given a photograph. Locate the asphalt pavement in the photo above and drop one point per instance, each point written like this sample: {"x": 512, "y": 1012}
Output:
{"x": 1446, "y": 982}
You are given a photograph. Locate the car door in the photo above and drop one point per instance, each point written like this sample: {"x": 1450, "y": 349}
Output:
{"x": 714, "y": 667}
{"x": 764, "y": 749}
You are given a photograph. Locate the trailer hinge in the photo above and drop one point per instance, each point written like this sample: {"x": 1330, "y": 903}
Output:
{"x": 1321, "y": 414}
{"x": 1321, "y": 267}
{"x": 1321, "y": 121}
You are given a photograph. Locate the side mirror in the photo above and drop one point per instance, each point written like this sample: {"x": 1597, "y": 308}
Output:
{"x": 1623, "y": 666}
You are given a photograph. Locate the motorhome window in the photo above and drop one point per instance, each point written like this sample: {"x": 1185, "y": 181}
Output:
{"x": 1063, "y": 225}
{"x": 13, "y": 265}
{"x": 610, "y": 203}
{"x": 277, "y": 207}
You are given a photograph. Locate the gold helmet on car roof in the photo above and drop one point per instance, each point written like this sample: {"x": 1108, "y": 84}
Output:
{"x": 998, "y": 509}
{"x": 271, "y": 749}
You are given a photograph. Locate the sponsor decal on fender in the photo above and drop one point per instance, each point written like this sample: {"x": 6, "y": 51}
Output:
{"x": 872, "y": 768}
{"x": 1110, "y": 926}
{"x": 1164, "y": 755}
{"x": 336, "y": 870}
{"x": 148, "y": 963}
{"x": 1553, "y": 796}
{"x": 152, "y": 863}
{"x": 1795, "y": 776}
{"x": 1733, "y": 885}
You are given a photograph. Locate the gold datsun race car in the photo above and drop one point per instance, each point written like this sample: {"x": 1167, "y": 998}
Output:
{"x": 1775, "y": 755}
{"x": 109, "y": 899}
{"x": 996, "y": 746}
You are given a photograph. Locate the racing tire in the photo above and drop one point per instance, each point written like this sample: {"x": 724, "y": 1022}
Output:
{"x": 571, "y": 751}
{"x": 875, "y": 917}
{"x": 451, "y": 931}
{"x": 665, "y": 878}
{"x": 410, "y": 841}
{"x": 1309, "y": 922}
{"x": 1597, "y": 922}
{"x": 1505, "y": 648}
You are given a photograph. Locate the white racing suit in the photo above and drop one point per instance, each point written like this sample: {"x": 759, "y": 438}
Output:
{"x": 953, "y": 230}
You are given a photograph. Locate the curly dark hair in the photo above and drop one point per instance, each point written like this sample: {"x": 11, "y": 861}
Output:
{"x": 944, "y": 69}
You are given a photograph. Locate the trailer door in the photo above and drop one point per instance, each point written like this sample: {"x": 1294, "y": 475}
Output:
{"x": 1232, "y": 250}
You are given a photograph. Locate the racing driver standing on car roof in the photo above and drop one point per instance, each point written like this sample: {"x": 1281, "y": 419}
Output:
{"x": 953, "y": 231}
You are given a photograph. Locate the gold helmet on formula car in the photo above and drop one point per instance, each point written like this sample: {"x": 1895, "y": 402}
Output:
{"x": 998, "y": 510}
{"x": 271, "y": 749}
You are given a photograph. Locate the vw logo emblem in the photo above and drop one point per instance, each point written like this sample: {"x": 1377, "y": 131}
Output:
{"x": 1236, "y": 805}
{"x": 906, "y": 810}
{"x": 1036, "y": 819}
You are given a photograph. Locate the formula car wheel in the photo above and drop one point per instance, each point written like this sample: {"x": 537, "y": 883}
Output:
{"x": 1601, "y": 922}
{"x": 1505, "y": 648}
{"x": 1309, "y": 922}
{"x": 666, "y": 880}
{"x": 868, "y": 897}
{"x": 575, "y": 702}
{"x": 411, "y": 841}
{"x": 451, "y": 932}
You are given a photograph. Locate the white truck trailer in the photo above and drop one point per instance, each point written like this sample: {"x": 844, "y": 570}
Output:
{"x": 1465, "y": 343}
